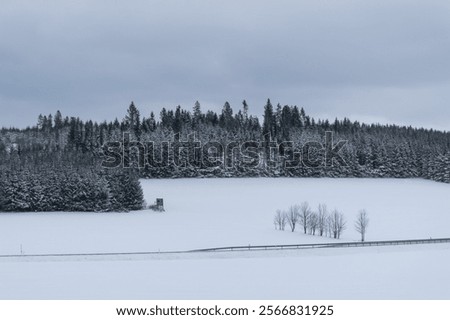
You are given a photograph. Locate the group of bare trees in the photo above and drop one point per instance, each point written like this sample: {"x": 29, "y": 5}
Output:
{"x": 318, "y": 222}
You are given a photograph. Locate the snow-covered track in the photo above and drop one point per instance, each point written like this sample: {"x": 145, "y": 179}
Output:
{"x": 94, "y": 254}
{"x": 132, "y": 255}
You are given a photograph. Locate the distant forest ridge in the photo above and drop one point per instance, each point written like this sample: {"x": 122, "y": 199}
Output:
{"x": 74, "y": 150}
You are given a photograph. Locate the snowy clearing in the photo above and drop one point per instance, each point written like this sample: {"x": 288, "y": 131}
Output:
{"x": 204, "y": 213}
{"x": 224, "y": 212}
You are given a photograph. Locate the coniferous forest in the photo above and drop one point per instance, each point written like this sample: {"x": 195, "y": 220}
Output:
{"x": 64, "y": 164}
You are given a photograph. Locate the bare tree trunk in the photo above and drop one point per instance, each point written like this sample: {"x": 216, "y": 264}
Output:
{"x": 361, "y": 223}
{"x": 322, "y": 219}
{"x": 305, "y": 213}
{"x": 337, "y": 224}
{"x": 293, "y": 216}
{"x": 280, "y": 220}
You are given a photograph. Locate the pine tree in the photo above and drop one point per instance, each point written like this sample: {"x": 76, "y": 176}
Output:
{"x": 58, "y": 120}
{"x": 226, "y": 117}
{"x": 245, "y": 111}
{"x": 197, "y": 115}
{"x": 269, "y": 123}
{"x": 178, "y": 122}
{"x": 132, "y": 120}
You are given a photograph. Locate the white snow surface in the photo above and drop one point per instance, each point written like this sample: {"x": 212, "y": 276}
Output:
{"x": 203, "y": 213}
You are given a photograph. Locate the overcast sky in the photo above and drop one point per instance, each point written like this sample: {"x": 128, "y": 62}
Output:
{"x": 374, "y": 61}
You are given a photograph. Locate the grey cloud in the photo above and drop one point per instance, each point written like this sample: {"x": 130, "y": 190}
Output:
{"x": 379, "y": 60}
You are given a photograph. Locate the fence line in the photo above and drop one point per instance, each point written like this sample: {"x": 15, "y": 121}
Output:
{"x": 245, "y": 248}
{"x": 326, "y": 245}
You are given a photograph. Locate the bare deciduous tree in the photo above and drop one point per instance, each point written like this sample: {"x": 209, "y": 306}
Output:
{"x": 313, "y": 222}
{"x": 280, "y": 220}
{"x": 337, "y": 224}
{"x": 322, "y": 215}
{"x": 305, "y": 213}
{"x": 276, "y": 220}
{"x": 361, "y": 223}
{"x": 293, "y": 216}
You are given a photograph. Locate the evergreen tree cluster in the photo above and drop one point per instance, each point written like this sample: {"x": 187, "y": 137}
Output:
{"x": 72, "y": 149}
{"x": 67, "y": 190}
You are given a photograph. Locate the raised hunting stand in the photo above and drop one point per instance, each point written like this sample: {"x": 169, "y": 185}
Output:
{"x": 158, "y": 206}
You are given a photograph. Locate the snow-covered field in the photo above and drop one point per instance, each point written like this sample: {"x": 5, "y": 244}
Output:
{"x": 220, "y": 212}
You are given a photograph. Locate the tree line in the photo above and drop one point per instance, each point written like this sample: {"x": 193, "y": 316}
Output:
{"x": 371, "y": 150}
{"x": 72, "y": 146}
